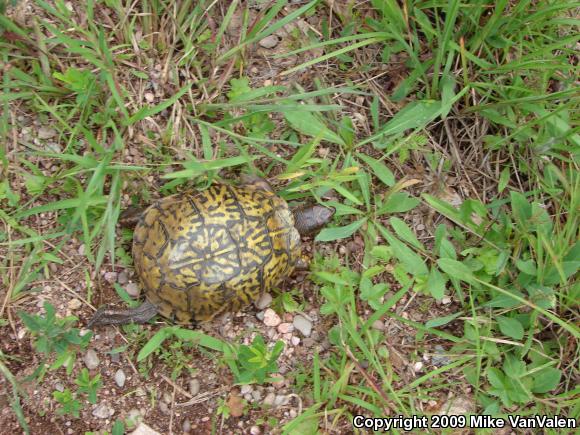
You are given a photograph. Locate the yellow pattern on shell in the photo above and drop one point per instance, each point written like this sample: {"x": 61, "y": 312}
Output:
{"x": 199, "y": 254}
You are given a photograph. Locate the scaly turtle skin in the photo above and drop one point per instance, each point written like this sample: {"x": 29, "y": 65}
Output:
{"x": 199, "y": 254}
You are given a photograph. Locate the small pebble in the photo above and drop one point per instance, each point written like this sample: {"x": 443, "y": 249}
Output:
{"x": 285, "y": 328}
{"x": 280, "y": 400}
{"x": 257, "y": 395}
{"x": 293, "y": 413}
{"x": 245, "y": 389}
{"x": 120, "y": 378}
{"x": 133, "y": 290}
{"x": 264, "y": 301}
{"x": 59, "y": 386}
{"x": 194, "y": 387}
{"x": 446, "y": 300}
{"x": 103, "y": 411}
{"x": 269, "y": 41}
{"x": 149, "y": 97}
{"x": 46, "y": 132}
{"x": 74, "y": 304}
{"x": 295, "y": 341}
{"x": 111, "y": 277}
{"x": 271, "y": 318}
{"x": 91, "y": 359}
{"x": 255, "y": 430}
{"x": 269, "y": 399}
{"x": 303, "y": 325}
{"x": 418, "y": 366}
{"x": 140, "y": 392}
{"x": 186, "y": 426}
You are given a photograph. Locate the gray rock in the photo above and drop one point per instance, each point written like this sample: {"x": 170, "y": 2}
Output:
{"x": 303, "y": 325}
{"x": 103, "y": 411}
{"x": 270, "y": 41}
{"x": 186, "y": 426}
{"x": 255, "y": 430}
{"x": 280, "y": 400}
{"x": 257, "y": 395}
{"x": 120, "y": 378}
{"x": 269, "y": 399}
{"x": 133, "y": 290}
{"x": 91, "y": 359}
{"x": 194, "y": 387}
{"x": 46, "y": 132}
{"x": 264, "y": 301}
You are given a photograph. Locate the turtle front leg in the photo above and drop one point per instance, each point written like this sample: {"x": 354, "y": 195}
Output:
{"x": 104, "y": 316}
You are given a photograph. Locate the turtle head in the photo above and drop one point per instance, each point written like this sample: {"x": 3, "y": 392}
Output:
{"x": 310, "y": 219}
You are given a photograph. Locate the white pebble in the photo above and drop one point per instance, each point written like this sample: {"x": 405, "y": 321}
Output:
{"x": 271, "y": 318}
{"x": 120, "y": 378}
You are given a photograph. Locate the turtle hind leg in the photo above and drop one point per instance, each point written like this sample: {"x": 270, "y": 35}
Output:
{"x": 140, "y": 314}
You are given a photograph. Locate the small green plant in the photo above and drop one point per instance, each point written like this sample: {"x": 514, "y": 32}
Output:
{"x": 89, "y": 386}
{"x": 256, "y": 362}
{"x": 69, "y": 404}
{"x": 56, "y": 335}
{"x": 286, "y": 301}
{"x": 177, "y": 357}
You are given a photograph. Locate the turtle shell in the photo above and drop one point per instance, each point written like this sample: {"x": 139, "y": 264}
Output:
{"x": 199, "y": 254}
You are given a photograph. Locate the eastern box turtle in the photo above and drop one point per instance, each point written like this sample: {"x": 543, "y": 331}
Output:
{"x": 201, "y": 253}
